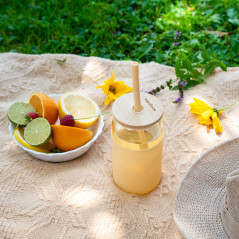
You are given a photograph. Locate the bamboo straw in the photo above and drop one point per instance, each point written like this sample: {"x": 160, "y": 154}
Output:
{"x": 135, "y": 73}
{"x": 137, "y": 105}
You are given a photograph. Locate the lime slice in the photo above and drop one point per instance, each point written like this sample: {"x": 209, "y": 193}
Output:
{"x": 19, "y": 136}
{"x": 17, "y": 112}
{"x": 37, "y": 132}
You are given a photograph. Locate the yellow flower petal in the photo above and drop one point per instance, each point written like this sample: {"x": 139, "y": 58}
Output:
{"x": 107, "y": 84}
{"x": 205, "y": 121}
{"x": 109, "y": 98}
{"x": 217, "y": 124}
{"x": 112, "y": 77}
{"x": 107, "y": 101}
{"x": 114, "y": 89}
{"x": 199, "y": 107}
{"x": 214, "y": 115}
{"x": 207, "y": 114}
{"x": 105, "y": 88}
{"x": 201, "y": 103}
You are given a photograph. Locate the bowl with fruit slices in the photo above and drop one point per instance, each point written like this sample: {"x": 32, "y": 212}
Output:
{"x": 62, "y": 128}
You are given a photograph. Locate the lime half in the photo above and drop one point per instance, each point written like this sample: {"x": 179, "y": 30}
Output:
{"x": 37, "y": 132}
{"x": 17, "y": 112}
{"x": 19, "y": 136}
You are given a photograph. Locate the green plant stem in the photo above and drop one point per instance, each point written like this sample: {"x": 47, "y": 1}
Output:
{"x": 229, "y": 105}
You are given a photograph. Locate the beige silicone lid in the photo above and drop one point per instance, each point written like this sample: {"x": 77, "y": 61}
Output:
{"x": 124, "y": 113}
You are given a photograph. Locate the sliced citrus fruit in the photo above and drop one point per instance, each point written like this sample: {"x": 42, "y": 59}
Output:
{"x": 37, "y": 132}
{"x": 67, "y": 138}
{"x": 19, "y": 136}
{"x": 84, "y": 109}
{"x": 17, "y": 112}
{"x": 45, "y": 106}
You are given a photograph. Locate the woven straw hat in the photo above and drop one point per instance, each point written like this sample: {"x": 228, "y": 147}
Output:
{"x": 207, "y": 202}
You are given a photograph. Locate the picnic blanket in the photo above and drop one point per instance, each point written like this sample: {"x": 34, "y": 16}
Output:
{"x": 78, "y": 199}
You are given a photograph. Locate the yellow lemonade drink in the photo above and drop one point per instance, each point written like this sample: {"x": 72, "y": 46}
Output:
{"x": 137, "y": 139}
{"x": 137, "y": 162}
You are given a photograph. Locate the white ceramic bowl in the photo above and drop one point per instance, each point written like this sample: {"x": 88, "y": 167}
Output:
{"x": 96, "y": 128}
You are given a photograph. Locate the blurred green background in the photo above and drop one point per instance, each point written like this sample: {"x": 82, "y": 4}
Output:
{"x": 121, "y": 30}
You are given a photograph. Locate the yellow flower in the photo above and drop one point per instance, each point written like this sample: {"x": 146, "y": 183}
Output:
{"x": 114, "y": 89}
{"x": 207, "y": 114}
{"x": 216, "y": 123}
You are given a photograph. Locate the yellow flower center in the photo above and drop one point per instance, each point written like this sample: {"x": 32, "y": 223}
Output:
{"x": 112, "y": 89}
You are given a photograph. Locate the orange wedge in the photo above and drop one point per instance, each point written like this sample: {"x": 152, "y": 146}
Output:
{"x": 45, "y": 106}
{"x": 67, "y": 138}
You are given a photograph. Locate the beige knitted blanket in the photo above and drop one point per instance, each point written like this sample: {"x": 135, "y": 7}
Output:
{"x": 78, "y": 199}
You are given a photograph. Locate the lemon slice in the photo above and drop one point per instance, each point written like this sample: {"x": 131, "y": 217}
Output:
{"x": 37, "y": 132}
{"x": 19, "y": 136}
{"x": 84, "y": 109}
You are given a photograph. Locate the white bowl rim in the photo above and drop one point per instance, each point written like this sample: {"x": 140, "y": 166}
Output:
{"x": 99, "y": 130}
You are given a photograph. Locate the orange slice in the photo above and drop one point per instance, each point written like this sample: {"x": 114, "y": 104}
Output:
{"x": 84, "y": 109}
{"x": 67, "y": 138}
{"x": 45, "y": 106}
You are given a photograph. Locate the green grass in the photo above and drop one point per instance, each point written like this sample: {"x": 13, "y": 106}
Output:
{"x": 121, "y": 30}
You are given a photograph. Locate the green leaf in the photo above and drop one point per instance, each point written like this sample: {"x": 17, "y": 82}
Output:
{"x": 222, "y": 66}
{"x": 187, "y": 64}
{"x": 145, "y": 49}
{"x": 233, "y": 16}
{"x": 198, "y": 76}
{"x": 61, "y": 61}
{"x": 177, "y": 65}
{"x": 191, "y": 83}
{"x": 196, "y": 73}
{"x": 210, "y": 67}
{"x": 205, "y": 55}
{"x": 180, "y": 73}
{"x": 56, "y": 150}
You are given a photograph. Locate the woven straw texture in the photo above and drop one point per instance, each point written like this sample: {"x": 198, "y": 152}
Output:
{"x": 233, "y": 195}
{"x": 202, "y": 193}
{"x": 229, "y": 211}
{"x": 78, "y": 199}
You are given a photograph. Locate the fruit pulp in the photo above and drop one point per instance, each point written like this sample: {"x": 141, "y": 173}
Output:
{"x": 18, "y": 111}
{"x": 136, "y": 164}
{"x": 82, "y": 108}
{"x": 19, "y": 136}
{"x": 37, "y": 132}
